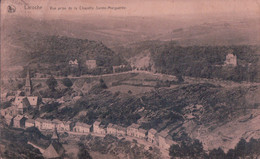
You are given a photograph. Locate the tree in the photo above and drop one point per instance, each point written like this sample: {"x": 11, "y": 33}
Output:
{"x": 196, "y": 149}
{"x": 217, "y": 154}
{"x": 175, "y": 151}
{"x": 6, "y": 104}
{"x": 231, "y": 154}
{"x": 83, "y": 153}
{"x": 52, "y": 83}
{"x": 240, "y": 149}
{"x": 67, "y": 82}
{"x": 19, "y": 85}
{"x": 193, "y": 150}
{"x": 102, "y": 84}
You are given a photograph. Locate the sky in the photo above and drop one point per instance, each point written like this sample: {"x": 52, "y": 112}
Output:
{"x": 133, "y": 7}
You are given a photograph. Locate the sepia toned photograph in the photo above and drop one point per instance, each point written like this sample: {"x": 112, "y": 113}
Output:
{"x": 129, "y": 79}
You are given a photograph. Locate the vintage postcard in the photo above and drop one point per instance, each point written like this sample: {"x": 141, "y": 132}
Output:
{"x": 129, "y": 79}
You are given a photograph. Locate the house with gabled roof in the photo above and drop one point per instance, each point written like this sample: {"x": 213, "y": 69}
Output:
{"x": 151, "y": 135}
{"x": 29, "y": 123}
{"x": 163, "y": 139}
{"x": 19, "y": 121}
{"x": 132, "y": 130}
{"x": 82, "y": 127}
{"x": 141, "y": 133}
{"x": 62, "y": 125}
{"x": 102, "y": 129}
{"x": 112, "y": 129}
{"x": 231, "y": 59}
{"x": 48, "y": 125}
{"x": 98, "y": 128}
{"x": 121, "y": 131}
{"x": 22, "y": 104}
{"x": 91, "y": 64}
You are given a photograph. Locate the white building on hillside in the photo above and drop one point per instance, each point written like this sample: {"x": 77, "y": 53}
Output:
{"x": 91, "y": 64}
{"x": 231, "y": 60}
{"x": 151, "y": 135}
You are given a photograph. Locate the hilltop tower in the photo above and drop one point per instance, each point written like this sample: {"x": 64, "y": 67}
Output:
{"x": 28, "y": 84}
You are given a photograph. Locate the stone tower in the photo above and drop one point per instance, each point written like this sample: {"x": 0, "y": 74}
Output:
{"x": 28, "y": 84}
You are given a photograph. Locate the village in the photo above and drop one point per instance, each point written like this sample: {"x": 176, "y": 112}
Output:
{"x": 16, "y": 116}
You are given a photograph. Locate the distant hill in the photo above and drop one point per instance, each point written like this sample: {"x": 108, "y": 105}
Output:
{"x": 51, "y": 52}
{"x": 32, "y": 40}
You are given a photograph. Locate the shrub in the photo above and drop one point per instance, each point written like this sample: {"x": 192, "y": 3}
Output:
{"x": 67, "y": 82}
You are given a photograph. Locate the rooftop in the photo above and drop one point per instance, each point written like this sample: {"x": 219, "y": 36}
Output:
{"x": 152, "y": 131}
{"x": 83, "y": 125}
{"x": 57, "y": 121}
{"x": 142, "y": 130}
{"x": 134, "y": 126}
{"x": 29, "y": 121}
{"x": 97, "y": 123}
{"x": 163, "y": 133}
{"x": 18, "y": 117}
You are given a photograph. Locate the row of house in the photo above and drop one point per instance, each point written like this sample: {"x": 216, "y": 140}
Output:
{"x": 162, "y": 139}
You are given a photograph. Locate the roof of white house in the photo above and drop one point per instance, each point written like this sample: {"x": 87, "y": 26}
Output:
{"x": 230, "y": 55}
{"x": 18, "y": 117}
{"x": 142, "y": 130}
{"x": 29, "y": 121}
{"x": 113, "y": 126}
{"x": 90, "y": 60}
{"x": 45, "y": 100}
{"x": 57, "y": 121}
{"x": 83, "y": 125}
{"x": 121, "y": 128}
{"x": 152, "y": 131}
{"x": 102, "y": 126}
{"x": 47, "y": 121}
{"x": 110, "y": 125}
{"x": 97, "y": 123}
{"x": 39, "y": 120}
{"x": 43, "y": 121}
{"x": 134, "y": 126}
{"x": 163, "y": 133}
{"x": 66, "y": 122}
